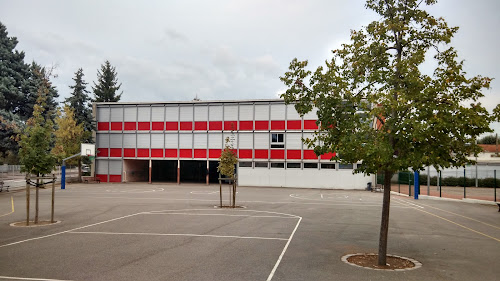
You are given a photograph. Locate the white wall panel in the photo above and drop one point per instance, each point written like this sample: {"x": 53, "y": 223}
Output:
{"x": 130, "y": 114}
{"x": 201, "y": 113}
{"x": 116, "y": 114}
{"x": 157, "y": 141}
{"x": 186, "y": 141}
{"x": 246, "y": 112}
{"x": 233, "y": 138}
{"x": 308, "y": 135}
{"x": 214, "y": 140}
{"x": 200, "y": 140}
{"x": 246, "y": 140}
{"x": 278, "y": 111}
{"x": 215, "y": 112}
{"x": 293, "y": 140}
{"x": 101, "y": 167}
{"x": 158, "y": 113}
{"x": 311, "y": 115}
{"x": 143, "y": 114}
{"x": 186, "y": 113}
{"x": 129, "y": 140}
{"x": 230, "y": 112}
{"x": 103, "y": 114}
{"x": 115, "y": 167}
{"x": 291, "y": 113}
{"x": 261, "y": 111}
{"x": 143, "y": 140}
{"x": 171, "y": 140}
{"x": 172, "y": 113}
{"x": 261, "y": 140}
{"x": 115, "y": 140}
{"x": 102, "y": 141}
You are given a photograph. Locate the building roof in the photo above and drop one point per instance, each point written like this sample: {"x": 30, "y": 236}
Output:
{"x": 191, "y": 101}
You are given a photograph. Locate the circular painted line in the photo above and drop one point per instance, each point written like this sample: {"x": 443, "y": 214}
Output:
{"x": 415, "y": 262}
{"x": 32, "y": 224}
{"x": 135, "y": 190}
{"x": 204, "y": 192}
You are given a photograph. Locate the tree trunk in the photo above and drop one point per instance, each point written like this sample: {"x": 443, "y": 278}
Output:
{"x": 234, "y": 193}
{"x": 220, "y": 191}
{"x": 36, "y": 204}
{"x": 384, "y": 225}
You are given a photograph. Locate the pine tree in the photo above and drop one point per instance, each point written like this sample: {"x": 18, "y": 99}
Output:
{"x": 107, "y": 84}
{"x": 79, "y": 102}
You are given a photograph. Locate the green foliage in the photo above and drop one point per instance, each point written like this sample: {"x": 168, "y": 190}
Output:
{"x": 375, "y": 103}
{"x": 107, "y": 84}
{"x": 35, "y": 141}
{"x": 490, "y": 139}
{"x": 79, "y": 101}
{"x": 69, "y": 135}
{"x": 227, "y": 160}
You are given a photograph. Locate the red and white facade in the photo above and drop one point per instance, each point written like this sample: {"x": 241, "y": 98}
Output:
{"x": 171, "y": 141}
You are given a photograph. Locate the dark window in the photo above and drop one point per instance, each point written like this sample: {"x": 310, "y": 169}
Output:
{"x": 261, "y": 165}
{"x": 346, "y": 166}
{"x": 310, "y": 165}
{"x": 293, "y": 165}
{"x": 277, "y": 165}
{"x": 245, "y": 164}
{"x": 277, "y": 141}
{"x": 327, "y": 166}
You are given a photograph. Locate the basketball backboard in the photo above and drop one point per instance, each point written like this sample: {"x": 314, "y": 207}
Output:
{"x": 87, "y": 149}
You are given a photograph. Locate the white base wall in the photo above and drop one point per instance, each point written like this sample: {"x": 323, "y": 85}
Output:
{"x": 306, "y": 178}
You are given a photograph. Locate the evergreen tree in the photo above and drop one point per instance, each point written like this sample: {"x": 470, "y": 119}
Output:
{"x": 107, "y": 84}
{"x": 79, "y": 102}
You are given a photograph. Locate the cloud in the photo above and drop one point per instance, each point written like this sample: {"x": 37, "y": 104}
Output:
{"x": 176, "y": 36}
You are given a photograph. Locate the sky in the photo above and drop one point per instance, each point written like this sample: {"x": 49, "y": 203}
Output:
{"x": 169, "y": 50}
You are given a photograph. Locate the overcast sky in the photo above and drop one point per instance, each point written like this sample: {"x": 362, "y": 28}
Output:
{"x": 217, "y": 50}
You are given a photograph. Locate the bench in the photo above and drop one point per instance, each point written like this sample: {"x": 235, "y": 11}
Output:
{"x": 87, "y": 179}
{"x": 2, "y": 186}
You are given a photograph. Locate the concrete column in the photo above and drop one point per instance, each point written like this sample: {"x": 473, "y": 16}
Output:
{"x": 150, "y": 168}
{"x": 178, "y": 171}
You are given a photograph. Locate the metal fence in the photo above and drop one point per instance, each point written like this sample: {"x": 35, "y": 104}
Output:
{"x": 12, "y": 176}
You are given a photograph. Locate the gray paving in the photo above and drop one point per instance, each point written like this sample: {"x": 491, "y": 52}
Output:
{"x": 169, "y": 232}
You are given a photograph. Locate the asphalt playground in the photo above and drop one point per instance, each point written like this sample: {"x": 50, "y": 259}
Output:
{"x": 139, "y": 231}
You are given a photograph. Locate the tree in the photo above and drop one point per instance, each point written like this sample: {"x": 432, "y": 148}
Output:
{"x": 79, "y": 101}
{"x": 376, "y": 104}
{"x": 35, "y": 142}
{"x": 107, "y": 84}
{"x": 69, "y": 136}
{"x": 227, "y": 160}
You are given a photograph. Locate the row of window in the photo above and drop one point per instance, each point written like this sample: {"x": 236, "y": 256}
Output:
{"x": 296, "y": 165}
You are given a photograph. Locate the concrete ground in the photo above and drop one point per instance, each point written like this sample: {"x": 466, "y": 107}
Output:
{"x": 170, "y": 232}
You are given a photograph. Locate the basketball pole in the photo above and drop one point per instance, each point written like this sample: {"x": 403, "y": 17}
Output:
{"x": 63, "y": 170}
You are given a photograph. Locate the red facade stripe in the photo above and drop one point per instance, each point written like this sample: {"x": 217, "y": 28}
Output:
{"x": 143, "y": 126}
{"x": 310, "y": 125}
{"x": 185, "y": 153}
{"x": 115, "y": 152}
{"x": 103, "y": 178}
{"x": 186, "y": 126}
{"x": 294, "y": 125}
{"x": 116, "y": 126}
{"x": 245, "y": 153}
{"x": 230, "y": 125}
{"x": 278, "y": 125}
{"x": 261, "y": 154}
{"x": 246, "y": 125}
{"x": 156, "y": 152}
{"x": 214, "y": 153}
{"x": 200, "y": 153}
{"x": 158, "y": 126}
{"x": 129, "y": 152}
{"x": 102, "y": 152}
{"x": 261, "y": 125}
{"x": 277, "y": 154}
{"x": 143, "y": 152}
{"x": 215, "y": 125}
{"x": 328, "y": 156}
{"x": 171, "y": 126}
{"x": 129, "y": 126}
{"x": 103, "y": 126}
{"x": 309, "y": 154}
{"x": 171, "y": 153}
{"x": 200, "y": 126}
{"x": 115, "y": 178}
{"x": 293, "y": 154}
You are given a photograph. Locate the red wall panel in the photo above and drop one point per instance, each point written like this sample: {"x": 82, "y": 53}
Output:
{"x": 156, "y": 152}
{"x": 116, "y": 126}
{"x": 102, "y": 152}
{"x": 186, "y": 126}
{"x": 172, "y": 126}
{"x": 310, "y": 125}
{"x": 103, "y": 126}
{"x": 309, "y": 154}
{"x": 143, "y": 152}
{"x": 293, "y": 154}
{"x": 214, "y": 153}
{"x": 130, "y": 126}
{"x": 158, "y": 126}
{"x": 230, "y": 125}
{"x": 200, "y": 153}
{"x": 115, "y": 178}
{"x": 185, "y": 153}
{"x": 246, "y": 125}
{"x": 328, "y": 156}
{"x": 293, "y": 125}
{"x": 277, "y": 125}
{"x": 103, "y": 178}
{"x": 215, "y": 125}
{"x": 115, "y": 152}
{"x": 261, "y": 154}
{"x": 143, "y": 126}
{"x": 245, "y": 153}
{"x": 171, "y": 153}
{"x": 277, "y": 154}
{"x": 129, "y": 152}
{"x": 200, "y": 125}
{"x": 261, "y": 125}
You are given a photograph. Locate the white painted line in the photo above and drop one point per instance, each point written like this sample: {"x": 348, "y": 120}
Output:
{"x": 66, "y": 231}
{"x": 321, "y": 195}
{"x": 224, "y": 215}
{"x": 270, "y": 277}
{"x": 178, "y": 234}
{"x": 220, "y": 210}
{"x": 204, "y": 192}
{"x": 22, "y": 278}
{"x": 405, "y": 202}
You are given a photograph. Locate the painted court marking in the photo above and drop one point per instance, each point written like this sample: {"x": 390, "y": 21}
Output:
{"x": 178, "y": 234}
{"x": 12, "y": 203}
{"x": 134, "y": 190}
{"x": 37, "y": 279}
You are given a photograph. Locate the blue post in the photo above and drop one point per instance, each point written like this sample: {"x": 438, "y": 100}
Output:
{"x": 417, "y": 185}
{"x": 63, "y": 177}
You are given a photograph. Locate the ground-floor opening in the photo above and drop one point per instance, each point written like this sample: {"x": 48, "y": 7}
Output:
{"x": 193, "y": 171}
{"x": 164, "y": 171}
{"x": 135, "y": 170}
